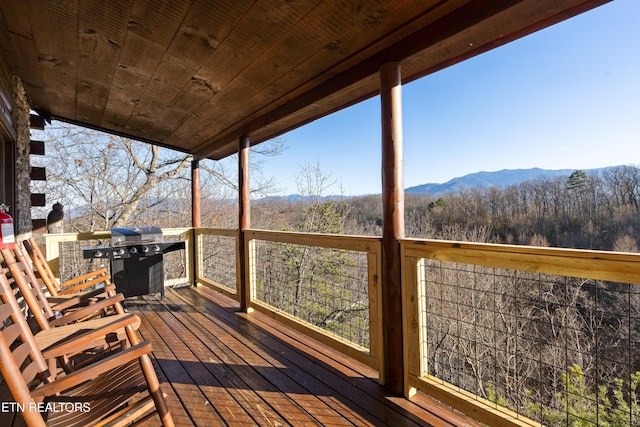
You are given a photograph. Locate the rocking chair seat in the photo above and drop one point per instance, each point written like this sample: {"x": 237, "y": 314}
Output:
{"x": 89, "y": 402}
{"x": 59, "y": 335}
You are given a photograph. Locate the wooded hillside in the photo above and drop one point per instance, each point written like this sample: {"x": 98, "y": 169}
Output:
{"x": 579, "y": 211}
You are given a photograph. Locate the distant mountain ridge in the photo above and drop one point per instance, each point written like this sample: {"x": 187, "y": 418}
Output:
{"x": 499, "y": 179}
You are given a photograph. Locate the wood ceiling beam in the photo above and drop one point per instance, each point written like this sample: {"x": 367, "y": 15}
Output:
{"x": 428, "y": 38}
{"x": 461, "y": 19}
{"x": 450, "y": 26}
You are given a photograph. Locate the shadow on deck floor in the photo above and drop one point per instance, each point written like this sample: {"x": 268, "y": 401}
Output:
{"x": 219, "y": 366}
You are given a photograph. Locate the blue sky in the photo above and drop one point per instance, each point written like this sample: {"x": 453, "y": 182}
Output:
{"x": 565, "y": 97}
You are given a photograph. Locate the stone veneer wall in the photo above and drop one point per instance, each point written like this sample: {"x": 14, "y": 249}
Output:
{"x": 21, "y": 121}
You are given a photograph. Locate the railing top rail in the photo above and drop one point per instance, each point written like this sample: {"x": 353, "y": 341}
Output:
{"x": 227, "y": 232}
{"x": 332, "y": 241}
{"x": 72, "y": 237}
{"x": 101, "y": 234}
{"x": 601, "y": 265}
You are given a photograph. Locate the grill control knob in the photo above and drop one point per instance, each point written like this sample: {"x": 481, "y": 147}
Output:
{"x": 120, "y": 251}
{"x": 133, "y": 250}
{"x": 156, "y": 248}
{"x": 98, "y": 254}
{"x": 145, "y": 249}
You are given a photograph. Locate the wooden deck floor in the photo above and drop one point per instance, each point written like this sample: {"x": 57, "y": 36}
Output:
{"x": 219, "y": 366}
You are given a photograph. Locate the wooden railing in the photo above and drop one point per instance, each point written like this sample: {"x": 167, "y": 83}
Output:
{"x": 369, "y": 247}
{"x": 216, "y": 260}
{"x": 482, "y": 264}
{"x": 543, "y": 288}
{"x": 55, "y": 243}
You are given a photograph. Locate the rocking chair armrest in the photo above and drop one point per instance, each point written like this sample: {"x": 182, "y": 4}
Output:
{"x": 90, "y": 337}
{"x": 74, "y": 289}
{"x": 62, "y": 303}
{"x": 81, "y": 313}
{"x": 91, "y": 371}
{"x": 82, "y": 278}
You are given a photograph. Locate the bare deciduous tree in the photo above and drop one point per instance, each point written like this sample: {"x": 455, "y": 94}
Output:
{"x": 107, "y": 181}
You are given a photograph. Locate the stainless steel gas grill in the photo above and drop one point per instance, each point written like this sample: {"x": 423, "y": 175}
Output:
{"x": 136, "y": 259}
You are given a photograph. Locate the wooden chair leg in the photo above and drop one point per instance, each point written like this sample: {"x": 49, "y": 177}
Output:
{"x": 155, "y": 391}
{"x": 152, "y": 380}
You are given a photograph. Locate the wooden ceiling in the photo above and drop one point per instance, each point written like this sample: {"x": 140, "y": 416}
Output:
{"x": 196, "y": 75}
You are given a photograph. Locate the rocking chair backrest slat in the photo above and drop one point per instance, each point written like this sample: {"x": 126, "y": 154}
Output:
{"x": 13, "y": 323}
{"x": 30, "y": 369}
{"x": 16, "y": 384}
{"x": 21, "y": 352}
{"x": 11, "y": 332}
{"x": 30, "y": 289}
{"x": 98, "y": 278}
{"x": 16, "y": 334}
{"x": 40, "y": 262}
{"x": 5, "y": 312}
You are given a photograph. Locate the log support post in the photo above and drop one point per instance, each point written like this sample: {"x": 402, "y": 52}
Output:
{"x": 244, "y": 222}
{"x": 196, "y": 221}
{"x": 392, "y": 226}
{"x": 195, "y": 194}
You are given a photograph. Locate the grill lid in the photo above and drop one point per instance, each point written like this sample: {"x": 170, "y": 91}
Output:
{"x": 126, "y": 235}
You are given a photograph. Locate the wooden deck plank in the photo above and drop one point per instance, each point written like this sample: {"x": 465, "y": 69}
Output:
{"x": 342, "y": 375}
{"x": 207, "y": 399}
{"x": 363, "y": 375}
{"x": 240, "y": 402}
{"x": 192, "y": 408}
{"x": 258, "y": 373}
{"x": 219, "y": 366}
{"x": 317, "y": 381}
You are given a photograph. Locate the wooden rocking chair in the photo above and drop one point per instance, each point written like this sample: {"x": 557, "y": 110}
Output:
{"x": 77, "y": 343}
{"x": 63, "y": 327}
{"x": 117, "y": 390}
{"x": 60, "y": 313}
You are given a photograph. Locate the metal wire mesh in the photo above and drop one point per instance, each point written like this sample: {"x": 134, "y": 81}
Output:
{"x": 175, "y": 266}
{"x": 218, "y": 262}
{"x": 327, "y": 288}
{"x": 560, "y": 350}
{"x": 71, "y": 262}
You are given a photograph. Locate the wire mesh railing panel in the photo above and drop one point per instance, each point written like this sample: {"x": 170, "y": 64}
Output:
{"x": 71, "y": 262}
{"x": 559, "y": 350}
{"x": 175, "y": 262}
{"x": 327, "y": 288}
{"x": 218, "y": 263}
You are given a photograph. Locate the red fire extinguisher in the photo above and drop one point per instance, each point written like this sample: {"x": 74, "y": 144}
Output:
{"x": 7, "y": 238}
